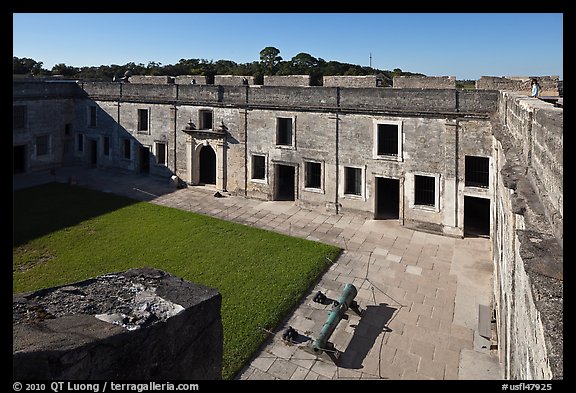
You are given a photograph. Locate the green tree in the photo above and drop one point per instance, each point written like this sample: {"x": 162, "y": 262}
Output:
{"x": 154, "y": 68}
{"x": 225, "y": 67}
{"x": 26, "y": 65}
{"x": 64, "y": 70}
{"x": 270, "y": 57}
{"x": 303, "y": 62}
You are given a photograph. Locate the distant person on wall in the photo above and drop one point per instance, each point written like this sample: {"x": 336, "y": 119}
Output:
{"x": 535, "y": 88}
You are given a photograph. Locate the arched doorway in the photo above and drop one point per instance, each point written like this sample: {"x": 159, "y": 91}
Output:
{"x": 207, "y": 165}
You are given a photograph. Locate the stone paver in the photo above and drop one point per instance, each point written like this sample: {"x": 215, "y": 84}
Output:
{"x": 420, "y": 291}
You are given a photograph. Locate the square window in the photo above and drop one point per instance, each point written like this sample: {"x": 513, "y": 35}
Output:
{"x": 313, "y": 175}
{"x": 106, "y": 143}
{"x": 477, "y": 171}
{"x": 80, "y": 142}
{"x": 160, "y": 153}
{"x": 258, "y": 167}
{"x": 424, "y": 190}
{"x": 20, "y": 116}
{"x": 387, "y": 140}
{"x": 206, "y": 119}
{"x": 142, "y": 119}
{"x": 92, "y": 116}
{"x": 127, "y": 149}
{"x": 352, "y": 181}
{"x": 42, "y": 145}
{"x": 284, "y": 131}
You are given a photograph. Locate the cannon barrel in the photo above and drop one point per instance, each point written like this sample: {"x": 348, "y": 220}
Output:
{"x": 336, "y": 315}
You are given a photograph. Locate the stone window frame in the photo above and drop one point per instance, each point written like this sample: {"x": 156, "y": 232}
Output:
{"x": 123, "y": 149}
{"x": 89, "y": 109}
{"x": 155, "y": 152}
{"x": 139, "y": 128}
{"x": 320, "y": 190}
{"x": 48, "y": 146}
{"x": 103, "y": 141}
{"x": 437, "y": 189}
{"x": 342, "y": 185}
{"x": 292, "y": 146}
{"x": 266, "y": 171}
{"x": 201, "y": 118}
{"x": 24, "y": 125}
{"x": 398, "y": 157}
{"x": 467, "y": 181}
{"x": 79, "y": 145}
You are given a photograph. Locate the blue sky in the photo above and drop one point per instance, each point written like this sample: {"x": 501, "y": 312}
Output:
{"x": 463, "y": 45}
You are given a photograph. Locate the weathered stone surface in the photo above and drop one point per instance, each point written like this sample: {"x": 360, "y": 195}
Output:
{"x": 550, "y": 85}
{"x": 151, "y": 79}
{"x": 233, "y": 80}
{"x": 356, "y": 81}
{"x": 337, "y": 127}
{"x": 424, "y": 82}
{"x": 529, "y": 264}
{"x": 287, "y": 80}
{"x": 190, "y": 79}
{"x": 59, "y": 337}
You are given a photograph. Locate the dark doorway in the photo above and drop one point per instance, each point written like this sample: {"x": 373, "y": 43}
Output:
{"x": 387, "y": 206}
{"x": 144, "y": 159}
{"x": 207, "y": 165}
{"x": 284, "y": 183}
{"x": 19, "y": 159}
{"x": 476, "y": 217}
{"x": 93, "y": 152}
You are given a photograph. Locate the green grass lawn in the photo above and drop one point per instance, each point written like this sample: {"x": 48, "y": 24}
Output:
{"x": 67, "y": 233}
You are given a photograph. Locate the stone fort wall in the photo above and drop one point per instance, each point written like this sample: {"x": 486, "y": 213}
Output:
{"x": 550, "y": 85}
{"x": 527, "y": 240}
{"x": 521, "y": 136}
{"x": 424, "y": 82}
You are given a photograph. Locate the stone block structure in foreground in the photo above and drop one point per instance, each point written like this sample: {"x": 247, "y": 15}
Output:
{"x": 135, "y": 325}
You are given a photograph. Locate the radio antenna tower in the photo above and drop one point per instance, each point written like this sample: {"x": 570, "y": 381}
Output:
{"x": 370, "y": 59}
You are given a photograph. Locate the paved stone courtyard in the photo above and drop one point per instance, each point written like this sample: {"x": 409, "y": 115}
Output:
{"x": 419, "y": 293}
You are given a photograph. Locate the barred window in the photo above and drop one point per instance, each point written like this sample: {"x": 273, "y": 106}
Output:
{"x": 387, "y": 143}
{"x": 20, "y": 115}
{"x": 42, "y": 145}
{"x": 92, "y": 116}
{"x": 284, "y": 131}
{"x": 352, "y": 181}
{"x": 127, "y": 149}
{"x": 80, "y": 142}
{"x": 142, "y": 119}
{"x": 106, "y": 143}
{"x": 160, "y": 153}
{"x": 424, "y": 190}
{"x": 313, "y": 175}
{"x": 477, "y": 171}
{"x": 258, "y": 167}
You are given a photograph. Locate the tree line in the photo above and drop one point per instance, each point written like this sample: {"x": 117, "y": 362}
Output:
{"x": 271, "y": 63}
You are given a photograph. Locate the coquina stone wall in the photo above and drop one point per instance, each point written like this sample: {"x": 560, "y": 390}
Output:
{"x": 550, "y": 85}
{"x": 190, "y": 79}
{"x": 424, "y": 82}
{"x": 528, "y": 259}
{"x": 233, "y": 80}
{"x": 151, "y": 79}
{"x": 356, "y": 81}
{"x": 287, "y": 80}
{"x": 337, "y": 128}
{"x": 136, "y": 325}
